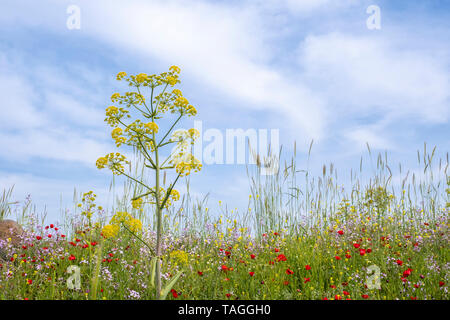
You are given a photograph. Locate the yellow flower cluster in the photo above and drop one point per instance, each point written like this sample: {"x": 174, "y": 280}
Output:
{"x": 180, "y": 257}
{"x": 138, "y": 130}
{"x": 175, "y": 103}
{"x": 114, "y": 161}
{"x": 137, "y": 204}
{"x": 110, "y": 231}
{"x": 184, "y": 163}
{"x": 114, "y": 114}
{"x": 184, "y": 138}
{"x": 116, "y": 134}
{"x": 143, "y": 79}
{"x": 88, "y": 204}
{"x": 121, "y": 218}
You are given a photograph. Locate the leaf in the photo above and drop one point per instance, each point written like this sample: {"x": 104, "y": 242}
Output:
{"x": 169, "y": 286}
{"x": 153, "y": 271}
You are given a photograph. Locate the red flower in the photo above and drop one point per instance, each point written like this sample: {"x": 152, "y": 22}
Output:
{"x": 337, "y": 258}
{"x": 346, "y": 293}
{"x": 251, "y": 273}
{"x": 441, "y": 283}
{"x": 63, "y": 236}
{"x": 200, "y": 273}
{"x": 52, "y": 226}
{"x": 325, "y": 298}
{"x": 365, "y": 296}
{"x": 341, "y": 232}
{"x": 348, "y": 256}
{"x": 308, "y": 267}
{"x": 369, "y": 250}
{"x": 289, "y": 271}
{"x": 224, "y": 268}
{"x": 72, "y": 257}
{"x": 228, "y": 253}
{"x": 362, "y": 252}
{"x": 407, "y": 272}
{"x": 286, "y": 283}
{"x": 277, "y": 250}
{"x": 174, "y": 293}
{"x": 29, "y": 281}
{"x": 281, "y": 257}
{"x": 416, "y": 286}
{"x": 356, "y": 245}
{"x": 337, "y": 297}
{"x": 38, "y": 238}
{"x": 333, "y": 286}
{"x": 413, "y": 298}
{"x": 275, "y": 234}
{"x": 307, "y": 280}
{"x": 399, "y": 262}
{"x": 49, "y": 236}
{"x": 252, "y": 256}
{"x": 228, "y": 295}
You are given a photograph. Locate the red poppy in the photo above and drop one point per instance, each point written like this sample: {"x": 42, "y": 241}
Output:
{"x": 348, "y": 256}
{"x": 72, "y": 257}
{"x": 365, "y": 296}
{"x": 413, "y": 298}
{"x": 369, "y": 250}
{"x": 325, "y": 298}
{"x": 224, "y": 268}
{"x": 38, "y": 237}
{"x": 289, "y": 271}
{"x": 251, "y": 273}
{"x": 228, "y": 295}
{"x": 277, "y": 250}
{"x": 307, "y": 280}
{"x": 286, "y": 283}
{"x": 252, "y": 256}
{"x": 407, "y": 272}
{"x": 441, "y": 283}
{"x": 337, "y": 297}
{"x": 399, "y": 262}
{"x": 356, "y": 245}
{"x": 416, "y": 286}
{"x": 362, "y": 252}
{"x": 281, "y": 257}
{"x": 174, "y": 293}
{"x": 29, "y": 281}
{"x": 337, "y": 258}
{"x": 200, "y": 273}
{"x": 308, "y": 267}
{"x": 346, "y": 293}
{"x": 341, "y": 232}
{"x": 52, "y": 226}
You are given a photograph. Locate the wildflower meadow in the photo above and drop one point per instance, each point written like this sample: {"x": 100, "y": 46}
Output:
{"x": 302, "y": 236}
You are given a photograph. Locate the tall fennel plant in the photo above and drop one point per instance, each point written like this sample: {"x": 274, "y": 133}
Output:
{"x": 134, "y": 123}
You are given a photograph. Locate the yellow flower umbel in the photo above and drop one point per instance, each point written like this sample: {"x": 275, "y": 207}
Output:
{"x": 114, "y": 161}
{"x": 110, "y": 231}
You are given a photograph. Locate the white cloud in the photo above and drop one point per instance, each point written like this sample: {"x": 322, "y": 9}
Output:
{"x": 363, "y": 74}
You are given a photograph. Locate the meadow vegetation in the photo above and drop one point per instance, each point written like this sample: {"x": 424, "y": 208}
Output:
{"x": 301, "y": 237}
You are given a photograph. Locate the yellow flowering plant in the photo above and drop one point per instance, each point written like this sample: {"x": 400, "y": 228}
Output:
{"x": 144, "y": 135}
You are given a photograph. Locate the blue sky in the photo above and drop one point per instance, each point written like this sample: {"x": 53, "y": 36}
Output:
{"x": 311, "y": 69}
